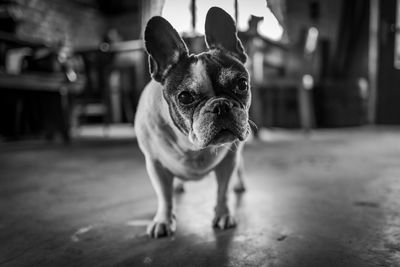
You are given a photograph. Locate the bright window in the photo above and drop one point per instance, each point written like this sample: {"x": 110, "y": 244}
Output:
{"x": 178, "y": 12}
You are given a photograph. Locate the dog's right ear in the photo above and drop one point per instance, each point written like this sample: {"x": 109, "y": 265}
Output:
{"x": 164, "y": 45}
{"x": 220, "y": 32}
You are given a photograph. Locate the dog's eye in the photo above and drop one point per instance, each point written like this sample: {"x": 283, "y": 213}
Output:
{"x": 185, "y": 98}
{"x": 242, "y": 85}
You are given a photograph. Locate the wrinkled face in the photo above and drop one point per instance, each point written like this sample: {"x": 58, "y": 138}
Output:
{"x": 209, "y": 98}
{"x": 208, "y": 94}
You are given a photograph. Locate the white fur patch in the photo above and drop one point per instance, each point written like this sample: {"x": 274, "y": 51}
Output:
{"x": 199, "y": 80}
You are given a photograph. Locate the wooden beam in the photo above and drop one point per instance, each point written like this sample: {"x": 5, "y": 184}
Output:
{"x": 193, "y": 11}
{"x": 373, "y": 59}
{"x": 236, "y": 12}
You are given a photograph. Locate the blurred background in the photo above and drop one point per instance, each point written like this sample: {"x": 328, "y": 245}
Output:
{"x": 314, "y": 64}
{"x": 322, "y": 172}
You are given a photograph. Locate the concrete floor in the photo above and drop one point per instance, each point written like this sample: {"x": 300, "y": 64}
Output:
{"x": 329, "y": 200}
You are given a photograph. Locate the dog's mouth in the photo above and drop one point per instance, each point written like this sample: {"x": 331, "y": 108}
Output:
{"x": 219, "y": 137}
{"x": 214, "y": 130}
{"x": 225, "y": 136}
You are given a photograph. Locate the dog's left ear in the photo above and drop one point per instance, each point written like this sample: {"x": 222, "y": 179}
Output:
{"x": 220, "y": 31}
{"x": 164, "y": 45}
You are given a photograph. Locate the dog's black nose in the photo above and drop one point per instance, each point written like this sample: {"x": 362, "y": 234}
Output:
{"x": 222, "y": 107}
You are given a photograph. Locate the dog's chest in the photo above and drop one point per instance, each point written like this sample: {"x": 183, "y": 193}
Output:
{"x": 201, "y": 161}
{"x": 193, "y": 165}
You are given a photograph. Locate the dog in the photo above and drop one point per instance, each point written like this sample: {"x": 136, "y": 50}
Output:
{"x": 192, "y": 118}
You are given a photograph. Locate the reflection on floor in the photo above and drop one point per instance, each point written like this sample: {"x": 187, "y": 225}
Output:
{"x": 330, "y": 199}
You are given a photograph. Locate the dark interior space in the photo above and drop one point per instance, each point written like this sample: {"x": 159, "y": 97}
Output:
{"x": 320, "y": 161}
{"x": 347, "y": 91}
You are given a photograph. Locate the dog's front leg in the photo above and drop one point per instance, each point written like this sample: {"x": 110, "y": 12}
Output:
{"x": 224, "y": 171}
{"x": 164, "y": 223}
{"x": 239, "y": 186}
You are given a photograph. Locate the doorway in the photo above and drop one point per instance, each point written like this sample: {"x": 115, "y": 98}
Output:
{"x": 388, "y": 97}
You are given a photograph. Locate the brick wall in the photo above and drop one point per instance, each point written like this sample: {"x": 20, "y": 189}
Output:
{"x": 129, "y": 25}
{"x": 54, "y": 20}
{"x": 78, "y": 24}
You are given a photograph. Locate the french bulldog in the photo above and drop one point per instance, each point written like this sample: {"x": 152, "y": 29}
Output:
{"x": 192, "y": 118}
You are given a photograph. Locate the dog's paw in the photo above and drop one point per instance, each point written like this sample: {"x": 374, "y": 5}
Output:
{"x": 239, "y": 188}
{"x": 157, "y": 229}
{"x": 224, "y": 221}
